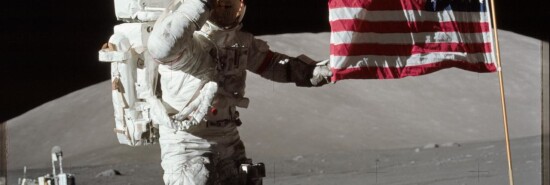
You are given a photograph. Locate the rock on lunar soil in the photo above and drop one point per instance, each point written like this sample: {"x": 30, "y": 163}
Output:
{"x": 108, "y": 173}
{"x": 431, "y": 146}
{"x": 451, "y": 144}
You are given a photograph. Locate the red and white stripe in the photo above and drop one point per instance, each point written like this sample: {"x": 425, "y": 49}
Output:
{"x": 344, "y": 13}
{"x": 397, "y": 38}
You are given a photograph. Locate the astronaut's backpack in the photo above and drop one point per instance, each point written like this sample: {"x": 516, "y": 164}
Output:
{"x": 140, "y": 10}
{"x": 134, "y": 72}
{"x": 134, "y": 78}
{"x": 137, "y": 106}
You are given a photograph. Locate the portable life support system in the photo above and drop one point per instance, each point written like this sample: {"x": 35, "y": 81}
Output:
{"x": 133, "y": 71}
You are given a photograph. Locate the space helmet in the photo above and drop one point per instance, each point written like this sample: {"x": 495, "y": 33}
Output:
{"x": 227, "y": 13}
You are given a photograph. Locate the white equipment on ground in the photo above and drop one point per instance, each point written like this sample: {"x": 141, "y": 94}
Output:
{"x": 61, "y": 178}
{"x": 133, "y": 71}
{"x": 25, "y": 180}
{"x": 49, "y": 179}
{"x": 57, "y": 179}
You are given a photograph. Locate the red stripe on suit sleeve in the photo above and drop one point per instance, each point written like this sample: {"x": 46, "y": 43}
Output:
{"x": 265, "y": 63}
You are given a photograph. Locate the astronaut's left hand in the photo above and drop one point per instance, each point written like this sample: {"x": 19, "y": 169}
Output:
{"x": 321, "y": 74}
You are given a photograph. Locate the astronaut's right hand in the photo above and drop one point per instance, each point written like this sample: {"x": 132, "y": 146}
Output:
{"x": 195, "y": 111}
{"x": 159, "y": 115}
{"x": 182, "y": 124}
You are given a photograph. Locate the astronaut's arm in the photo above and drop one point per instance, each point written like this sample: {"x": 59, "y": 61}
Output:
{"x": 279, "y": 67}
{"x": 172, "y": 34}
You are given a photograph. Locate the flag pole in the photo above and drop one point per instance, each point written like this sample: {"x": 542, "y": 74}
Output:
{"x": 502, "y": 96}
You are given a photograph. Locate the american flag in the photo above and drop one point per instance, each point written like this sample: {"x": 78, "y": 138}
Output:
{"x": 387, "y": 39}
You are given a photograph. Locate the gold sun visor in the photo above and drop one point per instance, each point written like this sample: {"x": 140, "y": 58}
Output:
{"x": 228, "y": 13}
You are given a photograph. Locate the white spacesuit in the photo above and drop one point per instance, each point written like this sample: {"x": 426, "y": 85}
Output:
{"x": 204, "y": 58}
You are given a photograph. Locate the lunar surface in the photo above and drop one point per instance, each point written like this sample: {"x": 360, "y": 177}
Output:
{"x": 444, "y": 128}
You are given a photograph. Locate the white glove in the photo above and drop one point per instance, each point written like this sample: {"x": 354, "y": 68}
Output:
{"x": 321, "y": 74}
{"x": 190, "y": 115}
{"x": 194, "y": 113}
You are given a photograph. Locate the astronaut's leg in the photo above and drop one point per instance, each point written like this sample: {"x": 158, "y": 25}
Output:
{"x": 203, "y": 155}
{"x": 228, "y": 153}
{"x": 184, "y": 158}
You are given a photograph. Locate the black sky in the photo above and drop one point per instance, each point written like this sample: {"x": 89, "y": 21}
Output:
{"x": 49, "y": 48}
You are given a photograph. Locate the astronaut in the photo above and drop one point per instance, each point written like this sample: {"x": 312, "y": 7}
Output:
{"x": 204, "y": 58}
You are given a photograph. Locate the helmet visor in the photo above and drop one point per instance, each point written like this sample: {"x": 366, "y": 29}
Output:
{"x": 227, "y": 13}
